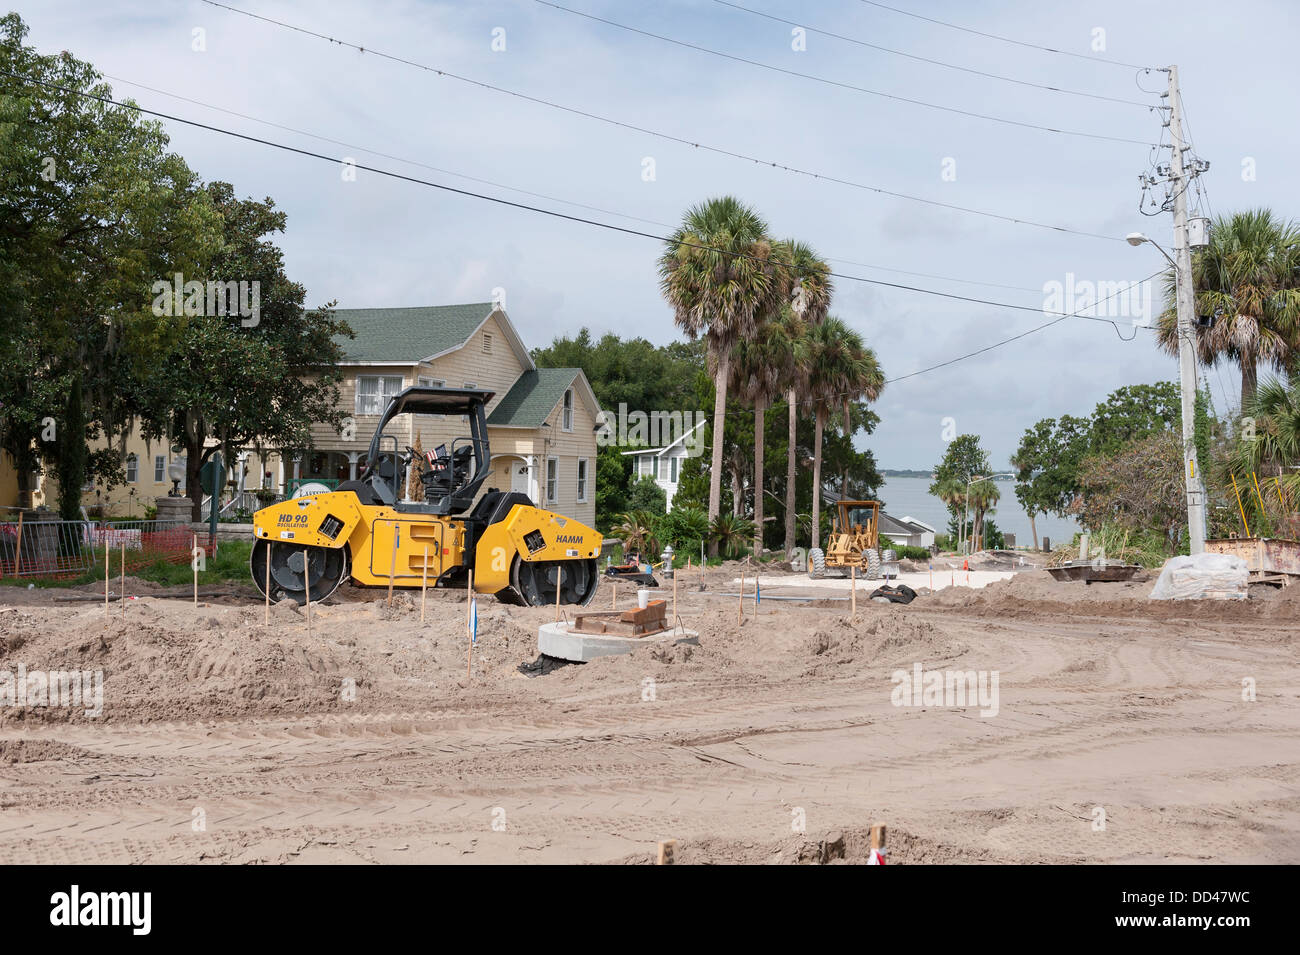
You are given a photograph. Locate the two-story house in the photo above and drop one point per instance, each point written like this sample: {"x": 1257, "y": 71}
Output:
{"x": 541, "y": 421}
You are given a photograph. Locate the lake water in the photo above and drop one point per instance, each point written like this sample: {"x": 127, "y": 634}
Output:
{"x": 910, "y": 496}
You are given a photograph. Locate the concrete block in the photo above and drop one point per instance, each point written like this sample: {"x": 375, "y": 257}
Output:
{"x": 556, "y": 640}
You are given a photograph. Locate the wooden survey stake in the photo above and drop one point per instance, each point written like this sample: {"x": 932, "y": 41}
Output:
{"x": 267, "y": 582}
{"x": 424, "y": 584}
{"x": 469, "y": 627}
{"x": 392, "y": 565}
{"x": 668, "y": 852}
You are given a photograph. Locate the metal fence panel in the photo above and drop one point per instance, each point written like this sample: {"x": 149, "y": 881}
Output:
{"x": 54, "y": 548}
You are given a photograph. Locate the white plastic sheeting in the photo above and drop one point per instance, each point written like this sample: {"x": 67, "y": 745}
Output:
{"x": 1204, "y": 576}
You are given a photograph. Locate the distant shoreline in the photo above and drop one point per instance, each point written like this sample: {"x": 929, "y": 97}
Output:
{"x": 928, "y": 475}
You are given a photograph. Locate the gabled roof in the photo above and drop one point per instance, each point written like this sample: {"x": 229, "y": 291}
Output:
{"x": 909, "y": 519}
{"x": 534, "y": 395}
{"x": 658, "y": 452}
{"x": 422, "y": 333}
{"x": 908, "y": 526}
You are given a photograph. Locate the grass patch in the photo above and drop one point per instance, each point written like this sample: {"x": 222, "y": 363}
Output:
{"x": 229, "y": 565}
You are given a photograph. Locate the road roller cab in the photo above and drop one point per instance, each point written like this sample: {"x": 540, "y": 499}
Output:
{"x": 371, "y": 532}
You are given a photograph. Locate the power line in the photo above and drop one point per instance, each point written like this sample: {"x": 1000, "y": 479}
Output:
{"x": 572, "y": 218}
{"x": 374, "y": 152}
{"x": 837, "y": 83}
{"x": 669, "y": 136}
{"x": 1003, "y": 39}
{"x": 1013, "y": 338}
{"x": 942, "y": 63}
{"x": 526, "y": 192}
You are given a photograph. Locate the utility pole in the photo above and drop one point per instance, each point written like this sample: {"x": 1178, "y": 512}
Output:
{"x": 1185, "y": 301}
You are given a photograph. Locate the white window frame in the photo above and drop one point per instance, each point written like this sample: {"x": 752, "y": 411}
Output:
{"x": 132, "y": 469}
{"x": 566, "y": 411}
{"x": 381, "y": 396}
{"x": 159, "y": 469}
{"x": 661, "y": 472}
{"x": 583, "y": 473}
{"x": 552, "y": 480}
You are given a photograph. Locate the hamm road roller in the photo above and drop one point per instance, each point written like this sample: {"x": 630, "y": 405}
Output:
{"x": 361, "y": 531}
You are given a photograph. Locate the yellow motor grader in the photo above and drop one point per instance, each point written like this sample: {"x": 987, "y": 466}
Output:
{"x": 363, "y": 532}
{"x": 854, "y": 542}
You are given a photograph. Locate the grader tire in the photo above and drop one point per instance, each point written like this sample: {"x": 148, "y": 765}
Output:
{"x": 871, "y": 564}
{"x": 816, "y": 562}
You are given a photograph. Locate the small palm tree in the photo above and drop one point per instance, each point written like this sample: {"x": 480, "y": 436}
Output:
{"x": 730, "y": 532}
{"x": 636, "y": 528}
{"x": 1275, "y": 444}
{"x": 1249, "y": 280}
{"x": 719, "y": 275}
{"x": 842, "y": 368}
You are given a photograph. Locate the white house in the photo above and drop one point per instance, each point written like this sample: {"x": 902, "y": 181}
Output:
{"x": 664, "y": 464}
{"x": 907, "y": 532}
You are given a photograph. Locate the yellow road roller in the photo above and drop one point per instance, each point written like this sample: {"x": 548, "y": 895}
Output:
{"x": 362, "y": 532}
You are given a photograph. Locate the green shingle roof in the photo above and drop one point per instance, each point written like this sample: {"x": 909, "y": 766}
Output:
{"x": 532, "y": 397}
{"x": 408, "y": 334}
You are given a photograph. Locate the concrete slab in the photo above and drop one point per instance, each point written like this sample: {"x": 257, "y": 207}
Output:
{"x": 556, "y": 640}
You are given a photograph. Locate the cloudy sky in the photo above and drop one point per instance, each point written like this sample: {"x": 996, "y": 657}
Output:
{"x": 380, "y": 242}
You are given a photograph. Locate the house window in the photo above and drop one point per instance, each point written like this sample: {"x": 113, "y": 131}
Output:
{"x": 552, "y": 479}
{"x": 663, "y": 469}
{"x": 432, "y": 383}
{"x": 375, "y": 391}
{"x": 159, "y": 469}
{"x": 566, "y": 421}
{"x": 582, "y": 480}
{"x": 673, "y": 479}
{"x": 487, "y": 343}
{"x": 644, "y": 465}
{"x": 132, "y": 469}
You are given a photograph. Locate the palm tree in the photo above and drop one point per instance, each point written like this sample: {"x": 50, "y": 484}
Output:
{"x": 953, "y": 493}
{"x": 1249, "y": 280}
{"x": 809, "y": 293}
{"x": 842, "y": 368}
{"x": 759, "y": 366}
{"x": 719, "y": 275}
{"x": 983, "y": 495}
{"x": 636, "y": 528}
{"x": 1275, "y": 448}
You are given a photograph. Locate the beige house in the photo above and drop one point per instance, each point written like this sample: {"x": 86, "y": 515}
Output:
{"x": 541, "y": 421}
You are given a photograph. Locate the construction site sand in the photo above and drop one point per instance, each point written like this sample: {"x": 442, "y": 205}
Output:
{"x": 772, "y": 740}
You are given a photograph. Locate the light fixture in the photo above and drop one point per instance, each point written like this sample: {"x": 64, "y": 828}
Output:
{"x": 1135, "y": 238}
